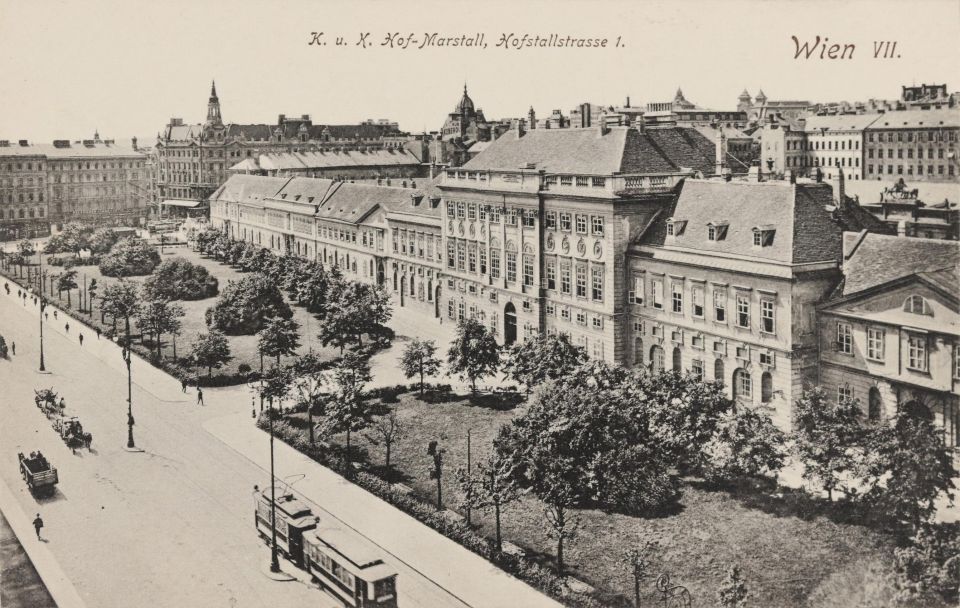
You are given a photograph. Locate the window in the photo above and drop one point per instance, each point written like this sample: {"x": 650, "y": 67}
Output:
{"x": 565, "y": 313}
{"x": 581, "y": 280}
{"x": 718, "y": 371}
{"x": 482, "y": 212}
{"x": 472, "y": 258}
{"x": 874, "y": 404}
{"x": 743, "y": 311}
{"x": 844, "y": 393}
{"x": 581, "y": 224}
{"x": 656, "y": 359}
{"x": 461, "y": 255}
{"x": 696, "y": 368}
{"x": 581, "y": 317}
{"x": 511, "y": 266}
{"x": 696, "y": 297}
{"x": 917, "y": 305}
{"x": 917, "y": 353}
{"x": 597, "y": 222}
{"x": 471, "y": 211}
{"x": 766, "y": 387}
{"x": 875, "y": 343}
{"x": 637, "y": 294}
{"x": 956, "y": 360}
{"x": 658, "y": 293}
{"x": 596, "y": 291}
{"x": 767, "y": 319}
{"x": 845, "y": 338}
{"x": 565, "y": 222}
{"x": 483, "y": 259}
{"x": 495, "y": 263}
{"x": 551, "y": 268}
{"x": 565, "y": 276}
{"x": 676, "y": 297}
{"x": 720, "y": 305}
{"x": 551, "y": 220}
{"x": 638, "y": 351}
{"x": 742, "y": 384}
{"x": 762, "y": 238}
{"x": 597, "y": 322}
{"x": 529, "y": 218}
{"x": 528, "y": 269}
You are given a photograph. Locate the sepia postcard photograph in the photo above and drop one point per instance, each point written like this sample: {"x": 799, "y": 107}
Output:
{"x": 503, "y": 304}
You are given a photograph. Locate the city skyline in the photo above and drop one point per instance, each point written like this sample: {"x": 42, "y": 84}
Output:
{"x": 136, "y": 91}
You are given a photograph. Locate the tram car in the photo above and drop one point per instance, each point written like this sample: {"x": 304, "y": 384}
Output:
{"x": 293, "y": 519}
{"x": 347, "y": 566}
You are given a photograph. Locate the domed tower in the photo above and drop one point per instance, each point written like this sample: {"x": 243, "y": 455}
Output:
{"x": 465, "y": 106}
{"x": 761, "y": 98}
{"x": 213, "y": 108}
{"x": 744, "y": 102}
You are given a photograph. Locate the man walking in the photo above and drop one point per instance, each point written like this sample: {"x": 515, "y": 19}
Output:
{"x": 199, "y": 395}
{"x": 37, "y": 524}
{"x": 183, "y": 385}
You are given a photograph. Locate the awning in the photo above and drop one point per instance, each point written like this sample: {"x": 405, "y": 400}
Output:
{"x": 181, "y": 203}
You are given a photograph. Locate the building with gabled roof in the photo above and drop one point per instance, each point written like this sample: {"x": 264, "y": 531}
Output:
{"x": 890, "y": 334}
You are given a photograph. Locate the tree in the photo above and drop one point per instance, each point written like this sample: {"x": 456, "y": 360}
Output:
{"x": 101, "y": 241}
{"x": 211, "y": 351}
{"x": 474, "y": 353}
{"x": 67, "y": 281}
{"x": 279, "y": 337}
{"x": 121, "y": 300}
{"x": 910, "y": 466}
{"x": 276, "y": 384}
{"x": 824, "y": 437}
{"x": 158, "y": 317}
{"x": 419, "y": 359}
{"x": 541, "y": 358}
{"x": 91, "y": 295}
{"x": 437, "y": 452}
{"x": 180, "y": 279}
{"x": 310, "y": 380}
{"x": 490, "y": 487}
{"x": 25, "y": 248}
{"x": 72, "y": 239}
{"x": 17, "y": 259}
{"x": 349, "y": 411}
{"x": 928, "y": 569}
{"x": 129, "y": 257}
{"x": 245, "y": 305}
{"x": 558, "y": 496}
{"x": 638, "y": 564}
{"x": 746, "y": 443}
{"x": 733, "y": 589}
{"x": 387, "y": 431}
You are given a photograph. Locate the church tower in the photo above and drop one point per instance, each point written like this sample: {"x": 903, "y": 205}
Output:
{"x": 213, "y": 108}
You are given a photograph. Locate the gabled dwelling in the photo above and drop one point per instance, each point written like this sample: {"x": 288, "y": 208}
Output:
{"x": 891, "y": 332}
{"x": 724, "y": 283}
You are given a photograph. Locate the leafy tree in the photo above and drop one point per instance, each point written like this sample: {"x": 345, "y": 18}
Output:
{"x": 490, "y": 487}
{"x": 129, "y": 257}
{"x": 17, "y": 259}
{"x": 355, "y": 310}
{"x": 733, "y": 589}
{"x": 276, "y": 384}
{"x": 436, "y": 453}
{"x": 121, "y": 300}
{"x": 102, "y": 240}
{"x": 910, "y": 466}
{"x": 158, "y": 317}
{"x": 824, "y": 436}
{"x": 180, "y": 279}
{"x": 542, "y": 358}
{"x": 387, "y": 430}
{"x": 474, "y": 353}
{"x": 746, "y": 443}
{"x": 638, "y": 563}
{"x": 928, "y": 569}
{"x": 67, "y": 281}
{"x": 211, "y": 351}
{"x": 349, "y": 412}
{"x": 26, "y": 251}
{"x": 245, "y": 305}
{"x": 310, "y": 380}
{"x": 312, "y": 291}
{"x": 279, "y": 337}
{"x": 92, "y": 290}
{"x": 419, "y": 359}
{"x": 558, "y": 496}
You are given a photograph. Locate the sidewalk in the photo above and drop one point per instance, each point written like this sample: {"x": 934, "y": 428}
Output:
{"x": 465, "y": 575}
{"x": 56, "y": 582}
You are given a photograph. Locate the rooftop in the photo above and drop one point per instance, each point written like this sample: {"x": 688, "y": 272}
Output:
{"x": 73, "y": 150}
{"x": 875, "y": 259}
{"x": 918, "y": 119}
{"x": 840, "y": 122}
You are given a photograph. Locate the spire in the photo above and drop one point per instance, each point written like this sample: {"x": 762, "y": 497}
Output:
{"x": 213, "y": 89}
{"x": 213, "y": 107}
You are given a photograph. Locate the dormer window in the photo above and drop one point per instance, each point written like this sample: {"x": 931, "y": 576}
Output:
{"x": 763, "y": 236}
{"x": 675, "y": 227}
{"x": 917, "y": 305}
{"x": 716, "y": 231}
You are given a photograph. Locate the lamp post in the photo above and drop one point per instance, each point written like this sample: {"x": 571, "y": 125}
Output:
{"x": 274, "y": 562}
{"x": 43, "y": 304}
{"x": 128, "y": 359}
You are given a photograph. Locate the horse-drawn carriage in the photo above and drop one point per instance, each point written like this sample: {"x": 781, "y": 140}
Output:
{"x": 71, "y": 431}
{"x": 38, "y": 473}
{"x": 46, "y": 400}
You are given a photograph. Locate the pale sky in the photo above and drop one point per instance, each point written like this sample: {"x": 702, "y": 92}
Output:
{"x": 126, "y": 66}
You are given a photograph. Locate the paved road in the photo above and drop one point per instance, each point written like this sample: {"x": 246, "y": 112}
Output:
{"x": 168, "y": 526}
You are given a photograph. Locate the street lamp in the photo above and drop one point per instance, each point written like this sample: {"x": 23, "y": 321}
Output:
{"x": 43, "y": 305}
{"x": 127, "y": 359}
{"x": 274, "y": 562}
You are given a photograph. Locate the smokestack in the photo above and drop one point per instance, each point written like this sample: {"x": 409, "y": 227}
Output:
{"x": 720, "y": 151}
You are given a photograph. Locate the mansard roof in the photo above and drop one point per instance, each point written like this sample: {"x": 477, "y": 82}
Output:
{"x": 875, "y": 259}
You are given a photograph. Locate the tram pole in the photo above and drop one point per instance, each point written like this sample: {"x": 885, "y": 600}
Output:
{"x": 274, "y": 562}
{"x": 43, "y": 304}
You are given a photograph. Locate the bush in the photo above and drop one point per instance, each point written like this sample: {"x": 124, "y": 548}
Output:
{"x": 129, "y": 257}
{"x": 929, "y": 569}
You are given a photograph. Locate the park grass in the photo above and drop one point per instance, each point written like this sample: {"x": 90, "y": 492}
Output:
{"x": 792, "y": 551}
{"x": 243, "y": 349}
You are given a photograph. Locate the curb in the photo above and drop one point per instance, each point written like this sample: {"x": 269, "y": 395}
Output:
{"x": 58, "y": 585}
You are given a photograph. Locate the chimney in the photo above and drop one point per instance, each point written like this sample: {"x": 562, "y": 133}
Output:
{"x": 602, "y": 125}
{"x": 628, "y": 101}
{"x": 133, "y": 142}
{"x": 839, "y": 187}
{"x": 281, "y": 118}
{"x": 720, "y": 151}
{"x": 902, "y": 228}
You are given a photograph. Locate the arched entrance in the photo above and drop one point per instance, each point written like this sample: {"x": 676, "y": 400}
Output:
{"x": 656, "y": 359}
{"x": 403, "y": 289}
{"x": 436, "y": 302}
{"x": 509, "y": 323}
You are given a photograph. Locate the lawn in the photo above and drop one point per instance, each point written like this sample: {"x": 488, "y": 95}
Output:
{"x": 785, "y": 546}
{"x": 242, "y": 348}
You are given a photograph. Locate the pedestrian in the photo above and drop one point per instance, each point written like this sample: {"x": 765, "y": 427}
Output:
{"x": 183, "y": 384}
{"x": 81, "y": 339}
{"x": 67, "y": 327}
{"x": 54, "y": 314}
{"x": 13, "y": 347}
{"x": 37, "y": 524}
{"x": 98, "y": 333}
{"x": 199, "y": 396}
{"x": 46, "y": 315}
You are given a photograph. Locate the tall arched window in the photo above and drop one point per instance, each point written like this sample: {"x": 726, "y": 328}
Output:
{"x": 766, "y": 387}
{"x": 638, "y": 352}
{"x": 677, "y": 360}
{"x": 917, "y": 305}
{"x": 874, "y": 405}
{"x": 656, "y": 359}
{"x": 718, "y": 371}
{"x": 742, "y": 384}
